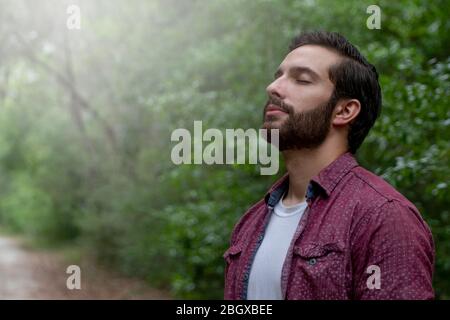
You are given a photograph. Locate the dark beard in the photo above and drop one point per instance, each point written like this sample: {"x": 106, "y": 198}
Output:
{"x": 304, "y": 130}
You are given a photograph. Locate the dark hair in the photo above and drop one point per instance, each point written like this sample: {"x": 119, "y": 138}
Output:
{"x": 353, "y": 78}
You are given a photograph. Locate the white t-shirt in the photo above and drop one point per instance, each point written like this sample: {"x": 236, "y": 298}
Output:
{"x": 265, "y": 274}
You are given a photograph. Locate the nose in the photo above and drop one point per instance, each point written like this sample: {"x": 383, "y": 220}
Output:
{"x": 274, "y": 89}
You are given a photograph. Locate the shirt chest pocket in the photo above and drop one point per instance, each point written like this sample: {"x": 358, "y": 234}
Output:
{"x": 232, "y": 256}
{"x": 232, "y": 253}
{"x": 312, "y": 252}
{"x": 319, "y": 265}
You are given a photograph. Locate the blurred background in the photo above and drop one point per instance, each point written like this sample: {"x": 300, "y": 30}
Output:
{"x": 86, "y": 117}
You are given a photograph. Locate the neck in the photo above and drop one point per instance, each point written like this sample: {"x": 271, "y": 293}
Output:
{"x": 304, "y": 164}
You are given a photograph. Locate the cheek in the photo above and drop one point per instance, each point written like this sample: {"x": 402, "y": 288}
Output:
{"x": 305, "y": 98}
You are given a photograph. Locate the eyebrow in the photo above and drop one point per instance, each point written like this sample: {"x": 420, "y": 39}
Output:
{"x": 298, "y": 70}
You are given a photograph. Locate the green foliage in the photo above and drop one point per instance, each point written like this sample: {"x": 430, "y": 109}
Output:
{"x": 86, "y": 118}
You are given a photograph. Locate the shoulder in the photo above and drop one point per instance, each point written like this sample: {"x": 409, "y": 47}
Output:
{"x": 376, "y": 187}
{"x": 255, "y": 213}
{"x": 394, "y": 223}
{"x": 384, "y": 209}
{"x": 246, "y": 221}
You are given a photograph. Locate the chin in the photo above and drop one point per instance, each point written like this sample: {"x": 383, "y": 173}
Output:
{"x": 272, "y": 124}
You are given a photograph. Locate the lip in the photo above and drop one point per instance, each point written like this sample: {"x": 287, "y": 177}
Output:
{"x": 272, "y": 109}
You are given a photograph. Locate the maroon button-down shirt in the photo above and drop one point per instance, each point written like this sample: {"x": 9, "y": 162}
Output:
{"x": 358, "y": 239}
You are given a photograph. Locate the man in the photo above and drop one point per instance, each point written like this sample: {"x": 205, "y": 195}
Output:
{"x": 328, "y": 229}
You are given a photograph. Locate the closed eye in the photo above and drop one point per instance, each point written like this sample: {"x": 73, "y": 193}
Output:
{"x": 303, "y": 81}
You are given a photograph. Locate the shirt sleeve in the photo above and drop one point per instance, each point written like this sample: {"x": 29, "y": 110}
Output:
{"x": 393, "y": 255}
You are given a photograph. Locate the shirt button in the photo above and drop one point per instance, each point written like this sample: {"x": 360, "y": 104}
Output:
{"x": 246, "y": 276}
{"x": 312, "y": 261}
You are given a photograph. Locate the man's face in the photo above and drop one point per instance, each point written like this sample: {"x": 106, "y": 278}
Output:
{"x": 300, "y": 100}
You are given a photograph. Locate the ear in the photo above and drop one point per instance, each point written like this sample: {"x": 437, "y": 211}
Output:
{"x": 346, "y": 111}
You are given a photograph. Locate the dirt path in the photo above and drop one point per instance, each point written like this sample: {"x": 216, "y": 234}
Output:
{"x": 38, "y": 274}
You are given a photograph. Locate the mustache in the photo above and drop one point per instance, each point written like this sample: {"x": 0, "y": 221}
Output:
{"x": 279, "y": 103}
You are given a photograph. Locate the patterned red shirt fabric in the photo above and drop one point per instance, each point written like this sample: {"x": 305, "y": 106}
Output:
{"x": 356, "y": 227}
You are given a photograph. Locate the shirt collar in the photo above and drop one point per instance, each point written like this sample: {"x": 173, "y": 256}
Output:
{"x": 325, "y": 181}
{"x": 330, "y": 176}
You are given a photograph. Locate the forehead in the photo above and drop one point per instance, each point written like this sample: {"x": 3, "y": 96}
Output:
{"x": 317, "y": 58}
